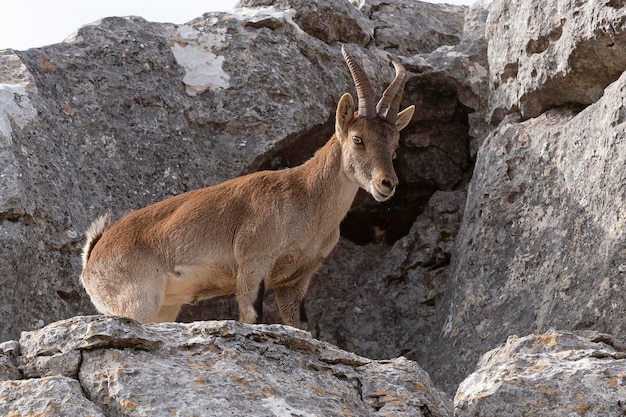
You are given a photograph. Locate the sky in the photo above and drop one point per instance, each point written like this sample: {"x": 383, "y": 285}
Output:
{"x": 28, "y": 24}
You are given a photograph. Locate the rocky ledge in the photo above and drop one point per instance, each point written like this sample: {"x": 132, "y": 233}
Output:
{"x": 107, "y": 366}
{"x": 104, "y": 366}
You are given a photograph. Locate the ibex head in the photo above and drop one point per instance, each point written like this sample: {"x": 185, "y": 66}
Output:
{"x": 369, "y": 136}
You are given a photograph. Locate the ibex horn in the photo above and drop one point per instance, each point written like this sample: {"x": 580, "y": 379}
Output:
{"x": 389, "y": 104}
{"x": 364, "y": 89}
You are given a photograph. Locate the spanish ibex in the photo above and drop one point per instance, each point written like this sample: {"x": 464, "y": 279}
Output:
{"x": 269, "y": 229}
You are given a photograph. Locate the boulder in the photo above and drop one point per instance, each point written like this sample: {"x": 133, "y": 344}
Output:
{"x": 115, "y": 366}
{"x": 54, "y": 396}
{"x": 552, "y": 374}
{"x": 558, "y": 53}
{"x": 464, "y": 69}
{"x": 546, "y": 188}
{"x": 9, "y": 368}
{"x": 408, "y": 27}
{"x": 541, "y": 242}
{"x": 328, "y": 21}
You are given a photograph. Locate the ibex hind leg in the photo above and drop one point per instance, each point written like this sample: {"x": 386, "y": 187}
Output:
{"x": 124, "y": 304}
{"x": 167, "y": 313}
{"x": 144, "y": 305}
{"x": 115, "y": 294}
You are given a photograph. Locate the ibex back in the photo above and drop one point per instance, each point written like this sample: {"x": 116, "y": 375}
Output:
{"x": 270, "y": 229}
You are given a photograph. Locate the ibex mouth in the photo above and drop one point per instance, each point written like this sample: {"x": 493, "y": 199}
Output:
{"x": 381, "y": 196}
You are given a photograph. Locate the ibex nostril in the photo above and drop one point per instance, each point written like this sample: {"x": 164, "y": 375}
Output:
{"x": 388, "y": 184}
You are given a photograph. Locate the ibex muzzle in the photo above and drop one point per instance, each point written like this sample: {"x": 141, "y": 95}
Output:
{"x": 270, "y": 229}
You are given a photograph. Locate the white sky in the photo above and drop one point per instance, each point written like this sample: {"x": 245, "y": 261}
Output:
{"x": 31, "y": 23}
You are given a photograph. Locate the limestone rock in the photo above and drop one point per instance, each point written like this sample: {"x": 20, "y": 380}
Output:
{"x": 54, "y": 396}
{"x": 212, "y": 368}
{"x": 368, "y": 313}
{"x": 550, "y": 54}
{"x": 544, "y": 375}
{"x": 328, "y": 21}
{"x": 541, "y": 243}
{"x": 450, "y": 91}
{"x": 431, "y": 25}
{"x": 15, "y": 109}
{"x": 8, "y": 360}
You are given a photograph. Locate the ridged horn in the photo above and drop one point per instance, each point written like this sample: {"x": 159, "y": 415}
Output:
{"x": 364, "y": 89}
{"x": 389, "y": 104}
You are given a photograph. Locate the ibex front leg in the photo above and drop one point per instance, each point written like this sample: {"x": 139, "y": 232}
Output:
{"x": 290, "y": 298}
{"x": 291, "y": 304}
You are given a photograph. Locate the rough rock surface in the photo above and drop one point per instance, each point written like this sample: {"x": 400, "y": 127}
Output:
{"x": 542, "y": 242}
{"x": 545, "y": 54}
{"x": 337, "y": 21}
{"x": 431, "y": 25}
{"x": 128, "y": 112}
{"x": 105, "y": 366}
{"x": 400, "y": 290}
{"x": 552, "y": 374}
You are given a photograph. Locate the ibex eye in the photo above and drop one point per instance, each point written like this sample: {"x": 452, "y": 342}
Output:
{"x": 357, "y": 140}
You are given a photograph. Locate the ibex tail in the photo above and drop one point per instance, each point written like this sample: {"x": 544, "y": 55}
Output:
{"x": 94, "y": 233}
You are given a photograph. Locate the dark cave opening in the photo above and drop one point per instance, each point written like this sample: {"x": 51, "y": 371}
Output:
{"x": 371, "y": 222}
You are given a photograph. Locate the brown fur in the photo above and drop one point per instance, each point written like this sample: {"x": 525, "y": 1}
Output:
{"x": 271, "y": 227}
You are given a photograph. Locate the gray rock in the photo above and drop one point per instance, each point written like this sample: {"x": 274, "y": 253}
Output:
{"x": 215, "y": 368}
{"x": 9, "y": 352}
{"x": 15, "y": 110}
{"x": 540, "y": 245}
{"x": 549, "y": 374}
{"x": 54, "y": 396}
{"x": 369, "y": 312}
{"x": 328, "y": 21}
{"x": 550, "y": 54}
{"x": 409, "y": 27}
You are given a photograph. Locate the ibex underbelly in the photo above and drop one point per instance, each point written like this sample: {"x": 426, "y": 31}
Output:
{"x": 189, "y": 284}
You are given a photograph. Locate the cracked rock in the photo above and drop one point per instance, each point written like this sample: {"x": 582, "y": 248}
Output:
{"x": 551, "y": 374}
{"x": 562, "y": 52}
{"x": 541, "y": 242}
{"x": 55, "y": 396}
{"x": 432, "y": 25}
{"x": 210, "y": 368}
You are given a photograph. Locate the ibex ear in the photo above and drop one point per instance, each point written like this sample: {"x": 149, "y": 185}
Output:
{"x": 345, "y": 113}
{"x": 404, "y": 117}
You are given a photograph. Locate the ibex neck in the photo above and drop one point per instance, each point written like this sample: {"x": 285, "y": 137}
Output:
{"x": 328, "y": 184}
